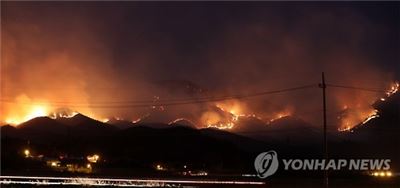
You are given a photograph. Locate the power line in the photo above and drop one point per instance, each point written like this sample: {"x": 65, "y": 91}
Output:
{"x": 183, "y": 101}
{"x": 356, "y": 88}
{"x": 226, "y": 97}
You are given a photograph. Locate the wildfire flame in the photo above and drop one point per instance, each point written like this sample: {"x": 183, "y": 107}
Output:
{"x": 394, "y": 88}
{"x": 181, "y": 119}
{"x": 280, "y": 115}
{"x": 364, "y": 116}
{"x": 231, "y": 112}
{"x": 222, "y": 115}
{"x": 62, "y": 113}
{"x": 32, "y": 112}
{"x": 25, "y": 109}
{"x": 236, "y": 110}
{"x": 373, "y": 115}
{"x": 349, "y": 122}
{"x": 221, "y": 125}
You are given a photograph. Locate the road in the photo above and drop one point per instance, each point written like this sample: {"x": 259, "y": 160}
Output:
{"x": 83, "y": 181}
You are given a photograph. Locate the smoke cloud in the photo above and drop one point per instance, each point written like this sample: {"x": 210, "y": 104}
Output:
{"x": 90, "y": 56}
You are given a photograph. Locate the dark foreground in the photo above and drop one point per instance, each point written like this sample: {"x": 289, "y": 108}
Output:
{"x": 43, "y": 181}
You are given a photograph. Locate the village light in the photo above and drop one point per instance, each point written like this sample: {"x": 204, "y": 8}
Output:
{"x": 27, "y": 153}
{"x": 93, "y": 158}
{"x": 382, "y": 174}
{"x": 160, "y": 167}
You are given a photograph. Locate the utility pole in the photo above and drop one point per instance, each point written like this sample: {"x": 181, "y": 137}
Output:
{"x": 323, "y": 86}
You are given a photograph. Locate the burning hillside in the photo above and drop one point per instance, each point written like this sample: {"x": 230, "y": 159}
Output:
{"x": 361, "y": 114}
{"x": 223, "y": 114}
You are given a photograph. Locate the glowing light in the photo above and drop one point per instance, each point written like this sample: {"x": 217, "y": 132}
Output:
{"x": 159, "y": 167}
{"x": 226, "y": 116}
{"x": 222, "y": 126}
{"x": 37, "y": 111}
{"x": 56, "y": 115}
{"x": 27, "y": 114}
{"x": 181, "y": 119}
{"x": 27, "y": 153}
{"x": 11, "y": 121}
{"x": 93, "y": 158}
{"x": 279, "y": 116}
{"x": 88, "y": 166}
{"x": 54, "y": 163}
{"x": 137, "y": 120}
{"x": 347, "y": 128}
{"x": 382, "y": 174}
{"x": 199, "y": 173}
{"x": 394, "y": 88}
{"x": 140, "y": 118}
{"x": 372, "y": 115}
{"x": 356, "y": 117}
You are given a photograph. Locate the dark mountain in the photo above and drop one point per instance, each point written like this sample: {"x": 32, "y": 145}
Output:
{"x": 48, "y": 129}
{"x": 174, "y": 144}
{"x": 41, "y": 128}
{"x": 79, "y": 119}
{"x": 248, "y": 125}
{"x": 286, "y": 129}
{"x": 242, "y": 142}
{"x": 8, "y": 131}
{"x": 124, "y": 124}
{"x": 292, "y": 128}
{"x": 141, "y": 145}
{"x": 121, "y": 124}
{"x": 153, "y": 125}
{"x": 146, "y": 143}
{"x": 83, "y": 125}
{"x": 183, "y": 122}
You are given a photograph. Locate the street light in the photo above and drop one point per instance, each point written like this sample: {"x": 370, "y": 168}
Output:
{"x": 27, "y": 153}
